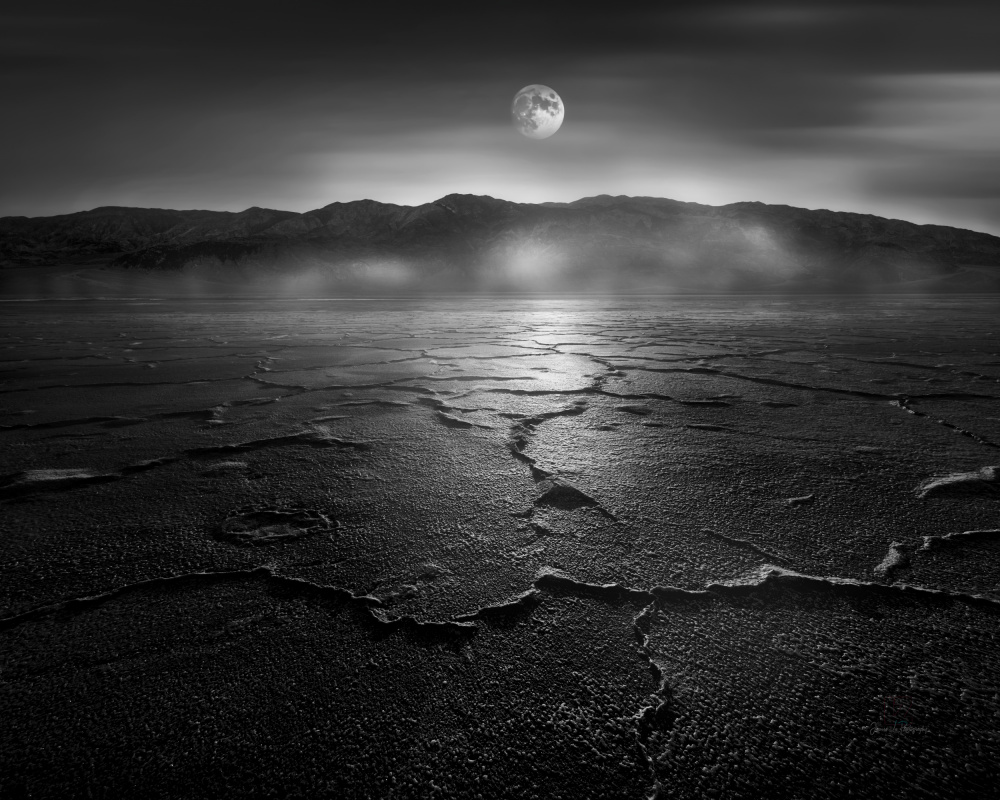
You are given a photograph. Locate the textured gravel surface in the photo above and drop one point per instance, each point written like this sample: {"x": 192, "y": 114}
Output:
{"x": 591, "y": 548}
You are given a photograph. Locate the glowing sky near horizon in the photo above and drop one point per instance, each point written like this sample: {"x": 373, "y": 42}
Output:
{"x": 891, "y": 109}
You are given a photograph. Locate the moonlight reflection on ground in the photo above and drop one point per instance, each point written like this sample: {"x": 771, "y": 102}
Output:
{"x": 516, "y": 546}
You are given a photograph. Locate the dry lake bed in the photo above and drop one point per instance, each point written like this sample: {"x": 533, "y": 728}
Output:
{"x": 530, "y": 548}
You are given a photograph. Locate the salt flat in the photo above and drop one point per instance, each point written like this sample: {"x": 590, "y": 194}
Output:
{"x": 513, "y": 547}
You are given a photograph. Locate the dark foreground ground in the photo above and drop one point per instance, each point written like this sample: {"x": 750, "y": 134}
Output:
{"x": 505, "y": 548}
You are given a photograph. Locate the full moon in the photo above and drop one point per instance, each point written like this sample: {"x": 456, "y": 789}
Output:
{"x": 537, "y": 111}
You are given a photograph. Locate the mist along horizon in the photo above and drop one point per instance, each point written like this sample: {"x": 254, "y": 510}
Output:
{"x": 587, "y": 548}
{"x": 474, "y": 244}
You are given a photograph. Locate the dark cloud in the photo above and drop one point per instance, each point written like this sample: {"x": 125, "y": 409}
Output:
{"x": 960, "y": 176}
{"x": 230, "y": 105}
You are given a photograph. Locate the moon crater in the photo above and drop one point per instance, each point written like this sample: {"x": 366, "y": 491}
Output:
{"x": 537, "y": 111}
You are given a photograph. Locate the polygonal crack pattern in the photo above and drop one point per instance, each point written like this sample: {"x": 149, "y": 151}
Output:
{"x": 591, "y": 548}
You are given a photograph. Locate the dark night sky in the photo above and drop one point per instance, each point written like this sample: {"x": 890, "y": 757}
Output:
{"x": 891, "y": 108}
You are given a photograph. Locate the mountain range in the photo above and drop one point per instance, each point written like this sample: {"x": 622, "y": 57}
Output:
{"x": 470, "y": 243}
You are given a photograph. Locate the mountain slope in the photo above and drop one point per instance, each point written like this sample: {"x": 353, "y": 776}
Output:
{"x": 467, "y": 242}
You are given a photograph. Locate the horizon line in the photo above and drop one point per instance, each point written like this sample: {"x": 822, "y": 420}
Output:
{"x": 549, "y": 203}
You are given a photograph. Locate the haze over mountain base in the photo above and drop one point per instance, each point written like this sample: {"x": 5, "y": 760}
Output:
{"x": 469, "y": 244}
{"x": 500, "y": 548}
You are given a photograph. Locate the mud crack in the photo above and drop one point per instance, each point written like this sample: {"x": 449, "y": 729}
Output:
{"x": 373, "y": 613}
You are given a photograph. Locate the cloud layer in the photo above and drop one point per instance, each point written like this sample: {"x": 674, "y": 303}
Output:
{"x": 887, "y": 108}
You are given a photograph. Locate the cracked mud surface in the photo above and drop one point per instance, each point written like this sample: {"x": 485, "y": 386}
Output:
{"x": 507, "y": 548}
